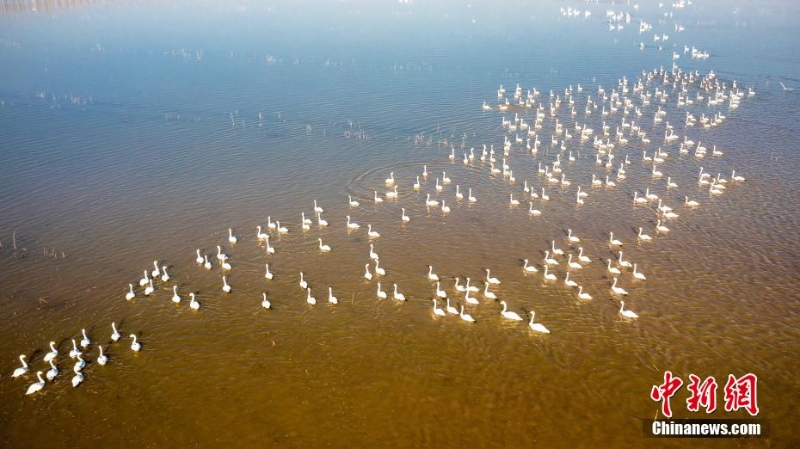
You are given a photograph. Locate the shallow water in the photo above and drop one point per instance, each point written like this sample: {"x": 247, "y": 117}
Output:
{"x": 119, "y": 150}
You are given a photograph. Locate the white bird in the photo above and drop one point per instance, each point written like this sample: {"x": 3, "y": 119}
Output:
{"x": 470, "y": 288}
{"x": 439, "y": 292}
{"x": 613, "y": 270}
{"x": 437, "y": 310}
{"x": 390, "y": 180}
{"x": 582, "y": 295}
{"x": 534, "y": 212}
{"x": 573, "y": 265}
{"x": 21, "y": 370}
{"x": 471, "y": 198}
{"x": 569, "y": 282}
{"x": 381, "y": 294}
{"x": 268, "y": 275}
{"x": 149, "y": 289}
{"x": 431, "y": 203}
{"x": 367, "y": 274}
{"x": 404, "y": 217}
{"x": 332, "y": 299}
{"x": 115, "y": 336}
{"x": 102, "y": 359}
{"x": 451, "y": 309}
{"x": 377, "y": 198}
{"x": 80, "y": 364}
{"x": 156, "y": 271}
{"x": 143, "y": 281}
{"x": 220, "y": 255}
{"x": 351, "y": 225}
{"x": 660, "y": 227}
{"x": 392, "y": 193}
{"x": 225, "y": 287}
{"x": 270, "y": 224}
{"x": 283, "y": 229}
{"x": 572, "y": 238}
{"x": 175, "y": 297}
{"x": 52, "y": 372}
{"x": 612, "y": 240}
{"x": 618, "y": 290}
{"x": 638, "y": 274}
{"x": 512, "y": 202}
{"x": 193, "y": 303}
{"x": 529, "y": 268}
{"x": 52, "y": 354}
{"x": 378, "y": 270}
{"x": 459, "y": 288}
{"x": 318, "y": 209}
{"x": 538, "y": 327}
{"x": 232, "y": 238}
{"x": 135, "y": 345}
{"x": 259, "y": 235}
{"x": 416, "y": 184}
{"x": 556, "y": 251}
{"x": 623, "y": 263}
{"x": 372, "y": 254}
{"x": 549, "y": 260}
{"x": 626, "y": 313}
{"x": 445, "y": 208}
{"x": 269, "y": 249}
{"x": 310, "y": 299}
{"x": 351, "y": 202}
{"x": 207, "y": 264}
{"x": 508, "y": 314}
{"x": 321, "y": 222}
{"x": 490, "y": 279}
{"x": 691, "y": 203}
{"x": 459, "y": 195}
{"x": 582, "y": 258}
{"x": 74, "y": 351}
{"x": 431, "y": 275}
{"x": 199, "y": 259}
{"x": 638, "y": 199}
{"x": 737, "y": 178}
{"x": 36, "y": 386}
{"x": 549, "y": 276}
{"x": 77, "y": 379}
{"x": 164, "y": 274}
{"x": 265, "y": 302}
{"x": 487, "y": 293}
{"x": 466, "y": 317}
{"x": 226, "y": 265}
{"x": 303, "y": 283}
{"x": 398, "y": 296}
{"x": 372, "y": 234}
{"x": 323, "y": 248}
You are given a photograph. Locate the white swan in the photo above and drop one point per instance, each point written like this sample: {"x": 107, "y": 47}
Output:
{"x": 534, "y": 212}
{"x": 392, "y": 193}
{"x": 445, "y": 208}
{"x": 458, "y": 287}
{"x": 199, "y": 259}
{"x": 220, "y": 255}
{"x": 618, "y": 290}
{"x": 323, "y": 248}
{"x": 623, "y": 263}
{"x": 613, "y": 270}
{"x": 164, "y": 274}
{"x": 660, "y": 227}
{"x": 268, "y": 275}
{"x": 232, "y": 238}
{"x": 572, "y": 238}
{"x": 259, "y": 235}
{"x": 321, "y": 222}
{"x": 143, "y": 281}
{"x": 437, "y": 310}
{"x": 193, "y": 303}
{"x": 226, "y": 265}
{"x": 445, "y": 179}
{"x": 512, "y": 202}
{"x": 573, "y": 265}
{"x": 439, "y": 292}
{"x": 431, "y": 275}
{"x": 52, "y": 372}
{"x": 135, "y": 345}
{"x": 471, "y": 198}
{"x": 569, "y": 282}
{"x": 529, "y": 268}
{"x": 403, "y": 216}
{"x": 367, "y": 274}
{"x": 332, "y": 299}
{"x": 303, "y": 283}
{"x": 115, "y": 336}
{"x": 508, "y": 314}
{"x": 538, "y": 327}
{"x": 372, "y": 254}
{"x": 318, "y": 209}
{"x": 397, "y": 295}
{"x": 77, "y": 379}
{"x": 466, "y": 317}
{"x": 270, "y": 224}
{"x": 21, "y": 370}
{"x": 549, "y": 260}
{"x": 612, "y": 240}
{"x": 471, "y": 288}
{"x": 459, "y": 195}
{"x": 381, "y": 294}
{"x": 487, "y": 293}
{"x": 351, "y": 202}
{"x": 378, "y": 270}
{"x": 626, "y": 313}
{"x": 207, "y": 264}
{"x": 36, "y": 386}
{"x": 556, "y": 251}
{"x": 74, "y": 351}
{"x": 265, "y": 302}
{"x": 691, "y": 203}
{"x": 351, "y": 225}
{"x": 390, "y": 180}
{"x": 638, "y": 199}
{"x": 377, "y": 198}
{"x": 225, "y": 287}
{"x": 644, "y": 237}
{"x": 439, "y": 187}
{"x": 582, "y": 295}
{"x": 549, "y": 276}
{"x": 130, "y": 295}
{"x": 52, "y": 354}
{"x": 416, "y": 185}
{"x": 372, "y": 234}
{"x": 429, "y": 202}
{"x": 85, "y": 340}
{"x": 149, "y": 289}
{"x": 490, "y": 279}
{"x": 102, "y": 359}
{"x": 267, "y": 247}
{"x": 451, "y": 309}
{"x": 283, "y": 229}
{"x": 582, "y": 258}
{"x": 175, "y": 297}
{"x": 156, "y": 271}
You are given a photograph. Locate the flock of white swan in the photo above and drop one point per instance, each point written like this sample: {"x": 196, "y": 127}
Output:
{"x": 622, "y": 114}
